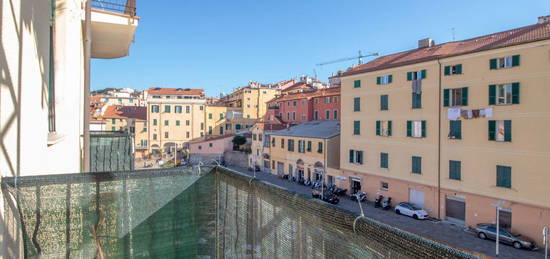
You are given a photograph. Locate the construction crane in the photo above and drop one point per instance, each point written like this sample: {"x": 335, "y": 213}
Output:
{"x": 358, "y": 57}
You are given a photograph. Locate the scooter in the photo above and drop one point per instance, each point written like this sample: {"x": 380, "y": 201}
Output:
{"x": 360, "y": 196}
{"x": 386, "y": 205}
{"x": 378, "y": 201}
{"x": 307, "y": 182}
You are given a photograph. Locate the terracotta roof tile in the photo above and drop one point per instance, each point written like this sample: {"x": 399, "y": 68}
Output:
{"x": 123, "y": 112}
{"x": 508, "y": 38}
{"x": 175, "y": 91}
{"x": 309, "y": 94}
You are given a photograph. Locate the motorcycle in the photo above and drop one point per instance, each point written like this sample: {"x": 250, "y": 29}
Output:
{"x": 340, "y": 192}
{"x": 359, "y": 196}
{"x": 386, "y": 205}
{"x": 378, "y": 201}
{"x": 327, "y": 196}
{"x": 307, "y": 182}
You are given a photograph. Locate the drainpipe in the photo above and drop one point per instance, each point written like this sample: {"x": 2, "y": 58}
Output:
{"x": 439, "y": 143}
{"x": 85, "y": 165}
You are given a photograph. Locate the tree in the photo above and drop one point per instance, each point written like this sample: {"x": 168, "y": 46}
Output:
{"x": 238, "y": 141}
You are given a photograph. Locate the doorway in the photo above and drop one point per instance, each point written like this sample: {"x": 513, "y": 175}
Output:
{"x": 416, "y": 197}
{"x": 355, "y": 185}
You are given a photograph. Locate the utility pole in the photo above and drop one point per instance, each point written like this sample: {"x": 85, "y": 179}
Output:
{"x": 497, "y": 206}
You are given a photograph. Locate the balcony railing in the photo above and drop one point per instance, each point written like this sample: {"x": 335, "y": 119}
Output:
{"x": 127, "y": 7}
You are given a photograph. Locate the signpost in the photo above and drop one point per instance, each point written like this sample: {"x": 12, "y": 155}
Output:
{"x": 497, "y": 206}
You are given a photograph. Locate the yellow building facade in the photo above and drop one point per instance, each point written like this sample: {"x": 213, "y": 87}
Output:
{"x": 465, "y": 131}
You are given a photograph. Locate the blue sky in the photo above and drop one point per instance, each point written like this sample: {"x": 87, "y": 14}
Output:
{"x": 220, "y": 45}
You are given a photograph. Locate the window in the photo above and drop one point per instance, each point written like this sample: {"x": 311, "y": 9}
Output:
{"x": 295, "y": 103}
{"x": 238, "y": 127}
{"x": 304, "y": 117}
{"x": 202, "y": 125}
{"x": 201, "y": 107}
{"x": 383, "y": 128}
{"x": 210, "y": 116}
{"x": 113, "y": 128}
{"x": 454, "y": 170}
{"x": 455, "y": 129}
{"x": 384, "y": 102}
{"x": 290, "y": 169}
{"x": 177, "y": 109}
{"x": 248, "y": 106}
{"x": 221, "y": 130}
{"x": 165, "y": 122}
{"x": 287, "y": 116}
{"x": 384, "y": 160}
{"x": 316, "y": 100}
{"x": 504, "y": 94}
{"x": 357, "y": 104}
{"x": 416, "y": 129}
{"x": 283, "y": 143}
{"x": 415, "y": 75}
{"x": 113, "y": 121}
{"x": 455, "y": 97}
{"x": 209, "y": 130}
{"x": 200, "y": 147}
{"x": 228, "y": 126}
{"x": 272, "y": 164}
{"x": 221, "y": 116}
{"x": 335, "y": 99}
{"x": 167, "y": 108}
{"x": 210, "y": 145}
{"x": 384, "y": 186}
{"x": 356, "y": 83}
{"x": 154, "y": 136}
{"x": 453, "y": 70}
{"x": 504, "y": 176}
{"x": 165, "y": 134}
{"x": 316, "y": 115}
{"x": 154, "y": 108}
{"x": 384, "y": 80}
{"x": 254, "y": 137}
{"x": 154, "y": 122}
{"x": 335, "y": 116}
{"x": 260, "y": 136}
{"x": 504, "y": 62}
{"x": 293, "y": 116}
{"x": 327, "y": 115}
{"x": 187, "y": 109}
{"x": 291, "y": 145}
{"x": 416, "y": 101}
{"x": 303, "y": 101}
{"x": 327, "y": 99}
{"x": 500, "y": 130}
{"x": 356, "y": 127}
{"x": 273, "y": 142}
{"x": 187, "y": 122}
{"x": 355, "y": 156}
{"x": 187, "y": 134}
{"x": 301, "y": 146}
{"x": 288, "y": 103}
{"x": 416, "y": 165}
{"x": 320, "y": 147}
{"x": 309, "y": 146}
{"x": 51, "y": 72}
{"x": 177, "y": 122}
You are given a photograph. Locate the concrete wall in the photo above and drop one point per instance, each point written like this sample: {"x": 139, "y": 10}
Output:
{"x": 236, "y": 158}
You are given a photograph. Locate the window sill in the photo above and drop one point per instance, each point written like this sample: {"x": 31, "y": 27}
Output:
{"x": 54, "y": 138}
{"x": 459, "y": 180}
{"x": 454, "y": 138}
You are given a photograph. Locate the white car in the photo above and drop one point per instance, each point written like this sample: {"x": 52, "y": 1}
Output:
{"x": 410, "y": 210}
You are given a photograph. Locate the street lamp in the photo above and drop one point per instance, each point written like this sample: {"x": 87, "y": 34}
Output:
{"x": 497, "y": 206}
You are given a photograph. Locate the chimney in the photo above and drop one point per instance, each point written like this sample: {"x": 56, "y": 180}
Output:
{"x": 424, "y": 43}
{"x": 544, "y": 19}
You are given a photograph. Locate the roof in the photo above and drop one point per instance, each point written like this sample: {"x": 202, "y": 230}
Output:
{"x": 308, "y": 94}
{"x": 312, "y": 129}
{"x": 175, "y": 91}
{"x": 266, "y": 126}
{"x": 508, "y": 38}
{"x": 123, "y": 112}
{"x": 299, "y": 85}
{"x": 206, "y": 139}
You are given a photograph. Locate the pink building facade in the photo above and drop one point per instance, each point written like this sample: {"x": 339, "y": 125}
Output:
{"x": 322, "y": 104}
{"x": 212, "y": 146}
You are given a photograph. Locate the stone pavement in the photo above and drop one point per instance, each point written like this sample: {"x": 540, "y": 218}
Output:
{"x": 438, "y": 230}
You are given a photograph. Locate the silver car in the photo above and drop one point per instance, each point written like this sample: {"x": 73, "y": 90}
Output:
{"x": 489, "y": 231}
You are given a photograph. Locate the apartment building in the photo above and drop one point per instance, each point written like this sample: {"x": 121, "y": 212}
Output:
{"x": 175, "y": 116}
{"x": 307, "y": 151}
{"x": 299, "y": 107}
{"x": 260, "y": 146}
{"x": 45, "y": 53}
{"x": 455, "y": 127}
{"x": 251, "y": 99}
{"x": 131, "y": 119}
{"x": 121, "y": 100}
{"x": 218, "y": 120}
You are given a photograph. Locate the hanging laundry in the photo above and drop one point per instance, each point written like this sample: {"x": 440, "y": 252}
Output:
{"x": 475, "y": 113}
{"x": 482, "y": 113}
{"x": 464, "y": 114}
{"x": 417, "y": 86}
{"x": 469, "y": 114}
{"x": 488, "y": 112}
{"x": 453, "y": 113}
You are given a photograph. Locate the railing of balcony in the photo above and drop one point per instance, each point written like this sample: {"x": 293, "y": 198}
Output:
{"x": 127, "y": 7}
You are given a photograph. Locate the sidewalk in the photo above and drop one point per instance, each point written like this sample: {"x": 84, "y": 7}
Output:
{"x": 443, "y": 231}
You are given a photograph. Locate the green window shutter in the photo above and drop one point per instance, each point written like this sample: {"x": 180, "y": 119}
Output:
{"x": 113, "y": 128}
{"x": 464, "y": 96}
{"x": 357, "y": 104}
{"x": 356, "y": 128}
{"x": 383, "y": 102}
{"x": 508, "y": 130}
{"x": 515, "y": 93}
{"x": 409, "y": 128}
{"x": 423, "y": 129}
{"x": 454, "y": 170}
{"x": 320, "y": 148}
{"x": 390, "y": 79}
{"x": 409, "y": 76}
{"x": 351, "y": 153}
{"x": 357, "y": 83}
{"x": 377, "y": 128}
{"x": 456, "y": 128}
{"x": 423, "y": 73}
{"x": 384, "y": 160}
{"x": 360, "y": 157}
{"x": 446, "y": 94}
{"x": 309, "y": 146}
{"x": 493, "y": 63}
{"x": 378, "y": 80}
{"x": 447, "y": 70}
{"x": 459, "y": 69}
{"x": 492, "y": 94}
{"x": 416, "y": 101}
{"x": 416, "y": 165}
{"x": 492, "y": 129}
{"x": 515, "y": 60}
{"x": 504, "y": 176}
{"x": 389, "y": 128}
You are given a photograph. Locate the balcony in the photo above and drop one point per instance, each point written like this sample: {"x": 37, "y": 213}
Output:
{"x": 114, "y": 23}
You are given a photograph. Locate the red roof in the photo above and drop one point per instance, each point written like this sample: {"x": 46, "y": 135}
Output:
{"x": 175, "y": 91}
{"x": 123, "y": 112}
{"x": 308, "y": 94}
{"x": 508, "y": 38}
{"x": 206, "y": 139}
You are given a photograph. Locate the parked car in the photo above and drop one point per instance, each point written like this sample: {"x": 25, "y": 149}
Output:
{"x": 405, "y": 208}
{"x": 489, "y": 231}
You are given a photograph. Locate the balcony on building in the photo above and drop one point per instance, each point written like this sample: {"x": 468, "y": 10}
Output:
{"x": 114, "y": 23}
